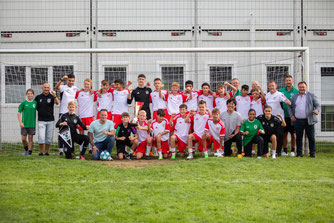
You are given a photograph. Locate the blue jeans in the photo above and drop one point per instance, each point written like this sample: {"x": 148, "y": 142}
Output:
{"x": 107, "y": 144}
{"x": 300, "y": 125}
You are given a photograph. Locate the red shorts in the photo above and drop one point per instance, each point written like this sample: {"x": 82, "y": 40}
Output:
{"x": 141, "y": 148}
{"x": 164, "y": 146}
{"x": 181, "y": 146}
{"x": 117, "y": 120}
{"x": 86, "y": 121}
{"x": 215, "y": 143}
{"x": 109, "y": 115}
{"x": 155, "y": 114}
{"x": 199, "y": 140}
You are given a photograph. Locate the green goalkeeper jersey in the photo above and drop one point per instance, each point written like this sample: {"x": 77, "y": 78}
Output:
{"x": 251, "y": 127}
{"x": 28, "y": 110}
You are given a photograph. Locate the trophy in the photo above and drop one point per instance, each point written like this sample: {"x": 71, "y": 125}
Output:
{"x": 138, "y": 106}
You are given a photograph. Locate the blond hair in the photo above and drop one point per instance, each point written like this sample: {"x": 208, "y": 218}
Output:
{"x": 72, "y": 103}
{"x": 88, "y": 80}
{"x": 175, "y": 84}
{"x": 142, "y": 112}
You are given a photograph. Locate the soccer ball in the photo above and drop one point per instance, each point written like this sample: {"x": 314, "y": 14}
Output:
{"x": 105, "y": 155}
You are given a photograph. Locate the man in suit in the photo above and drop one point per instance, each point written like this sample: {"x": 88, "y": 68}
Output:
{"x": 303, "y": 111}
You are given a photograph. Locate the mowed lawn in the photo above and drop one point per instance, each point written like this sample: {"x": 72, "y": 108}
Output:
{"x": 52, "y": 189}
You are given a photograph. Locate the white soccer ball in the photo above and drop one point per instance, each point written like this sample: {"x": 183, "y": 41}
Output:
{"x": 105, "y": 155}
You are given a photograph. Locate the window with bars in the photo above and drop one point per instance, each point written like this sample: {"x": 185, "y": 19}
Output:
{"x": 59, "y": 71}
{"x": 170, "y": 74}
{"x": 114, "y": 73}
{"x": 327, "y": 83}
{"x": 15, "y": 84}
{"x": 327, "y": 118}
{"x": 219, "y": 74}
{"x": 38, "y": 77}
{"x": 277, "y": 73}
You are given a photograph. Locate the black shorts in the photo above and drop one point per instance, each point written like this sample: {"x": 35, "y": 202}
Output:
{"x": 120, "y": 144}
{"x": 28, "y": 131}
{"x": 289, "y": 128}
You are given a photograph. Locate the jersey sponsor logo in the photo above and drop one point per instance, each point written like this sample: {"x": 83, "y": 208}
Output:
{"x": 255, "y": 126}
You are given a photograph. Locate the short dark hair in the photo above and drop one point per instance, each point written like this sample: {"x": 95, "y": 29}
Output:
{"x": 267, "y": 106}
{"x": 103, "y": 110}
{"x": 142, "y": 75}
{"x": 250, "y": 110}
{"x": 231, "y": 100}
{"x": 119, "y": 81}
{"x": 189, "y": 82}
{"x": 245, "y": 87}
{"x": 302, "y": 82}
{"x": 202, "y": 102}
{"x": 215, "y": 111}
{"x": 161, "y": 112}
{"x": 71, "y": 76}
{"x": 157, "y": 79}
{"x": 104, "y": 82}
{"x": 255, "y": 89}
{"x": 183, "y": 106}
{"x": 125, "y": 114}
{"x": 31, "y": 90}
{"x": 205, "y": 84}
{"x": 288, "y": 76}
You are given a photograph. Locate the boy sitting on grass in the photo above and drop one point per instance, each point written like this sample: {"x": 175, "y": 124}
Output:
{"x": 124, "y": 138}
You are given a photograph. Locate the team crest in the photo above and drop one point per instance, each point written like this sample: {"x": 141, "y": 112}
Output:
{"x": 255, "y": 126}
{"x": 147, "y": 92}
{"x": 34, "y": 106}
{"x": 75, "y": 121}
{"x": 272, "y": 125}
{"x": 40, "y": 100}
{"x": 49, "y": 100}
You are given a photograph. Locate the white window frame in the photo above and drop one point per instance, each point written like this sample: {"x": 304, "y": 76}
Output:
{"x": 183, "y": 64}
{"x": 265, "y": 64}
{"x": 317, "y": 92}
{"x": 224, "y": 64}
{"x": 104, "y": 64}
{"x": 28, "y": 76}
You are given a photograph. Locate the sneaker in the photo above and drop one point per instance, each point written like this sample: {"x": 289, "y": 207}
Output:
{"x": 151, "y": 154}
{"x": 82, "y": 158}
{"x": 129, "y": 157}
{"x": 172, "y": 157}
{"x": 259, "y": 157}
{"x": 29, "y": 154}
{"x": 147, "y": 157}
{"x": 190, "y": 157}
{"x": 273, "y": 156}
{"x": 220, "y": 155}
{"x": 215, "y": 154}
{"x": 206, "y": 156}
{"x": 110, "y": 159}
{"x": 284, "y": 154}
{"x": 61, "y": 153}
{"x": 25, "y": 153}
{"x": 292, "y": 154}
{"x": 47, "y": 154}
{"x": 160, "y": 158}
{"x": 40, "y": 154}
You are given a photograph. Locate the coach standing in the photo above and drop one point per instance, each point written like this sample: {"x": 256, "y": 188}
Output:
{"x": 303, "y": 110}
{"x": 45, "y": 107}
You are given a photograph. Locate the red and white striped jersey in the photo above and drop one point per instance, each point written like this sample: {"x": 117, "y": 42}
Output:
{"x": 142, "y": 134}
{"x": 86, "y": 101}
{"x": 158, "y": 128}
{"x": 198, "y": 122}
{"x": 181, "y": 128}
{"x": 216, "y": 130}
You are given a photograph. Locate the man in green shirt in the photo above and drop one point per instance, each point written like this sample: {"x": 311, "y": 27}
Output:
{"x": 250, "y": 129}
{"x": 28, "y": 122}
{"x": 288, "y": 92}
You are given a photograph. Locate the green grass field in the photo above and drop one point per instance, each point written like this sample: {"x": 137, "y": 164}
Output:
{"x": 52, "y": 189}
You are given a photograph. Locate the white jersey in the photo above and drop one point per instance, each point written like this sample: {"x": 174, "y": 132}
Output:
{"x": 192, "y": 104}
{"x": 157, "y": 101}
{"x": 142, "y": 134}
{"x": 174, "y": 102}
{"x": 86, "y": 101}
{"x": 216, "y": 130}
{"x": 68, "y": 94}
{"x": 181, "y": 128}
{"x": 158, "y": 128}
{"x": 105, "y": 101}
{"x": 199, "y": 121}
{"x": 208, "y": 99}
{"x": 274, "y": 100}
{"x": 220, "y": 102}
{"x": 258, "y": 106}
{"x": 120, "y": 101}
{"x": 243, "y": 105}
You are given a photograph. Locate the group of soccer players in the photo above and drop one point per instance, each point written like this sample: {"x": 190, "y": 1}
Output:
{"x": 181, "y": 119}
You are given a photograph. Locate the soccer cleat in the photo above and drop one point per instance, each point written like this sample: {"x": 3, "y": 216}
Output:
{"x": 82, "y": 158}
{"x": 172, "y": 157}
{"x": 151, "y": 154}
{"x": 284, "y": 154}
{"x": 215, "y": 154}
{"x": 110, "y": 159}
{"x": 40, "y": 154}
{"x": 292, "y": 154}
{"x": 61, "y": 153}
{"x": 47, "y": 154}
{"x": 25, "y": 153}
{"x": 134, "y": 154}
{"x": 206, "y": 156}
{"x": 160, "y": 158}
{"x": 190, "y": 157}
{"x": 220, "y": 155}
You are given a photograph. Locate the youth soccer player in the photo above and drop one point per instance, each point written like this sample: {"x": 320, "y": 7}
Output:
{"x": 71, "y": 120}
{"x": 175, "y": 99}
{"x": 258, "y": 101}
{"x": 160, "y": 128}
{"x": 270, "y": 124}
{"x": 250, "y": 129}
{"x": 120, "y": 101}
{"x": 181, "y": 127}
{"x": 144, "y": 138}
{"x": 192, "y": 101}
{"x": 221, "y": 98}
{"x": 158, "y": 97}
{"x": 207, "y": 95}
{"x": 28, "y": 121}
{"x": 67, "y": 94}
{"x": 104, "y": 99}
{"x": 198, "y": 121}
{"x": 243, "y": 102}
{"x": 214, "y": 132}
{"x": 124, "y": 138}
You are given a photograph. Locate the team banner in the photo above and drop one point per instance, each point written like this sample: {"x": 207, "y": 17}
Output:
{"x": 66, "y": 136}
